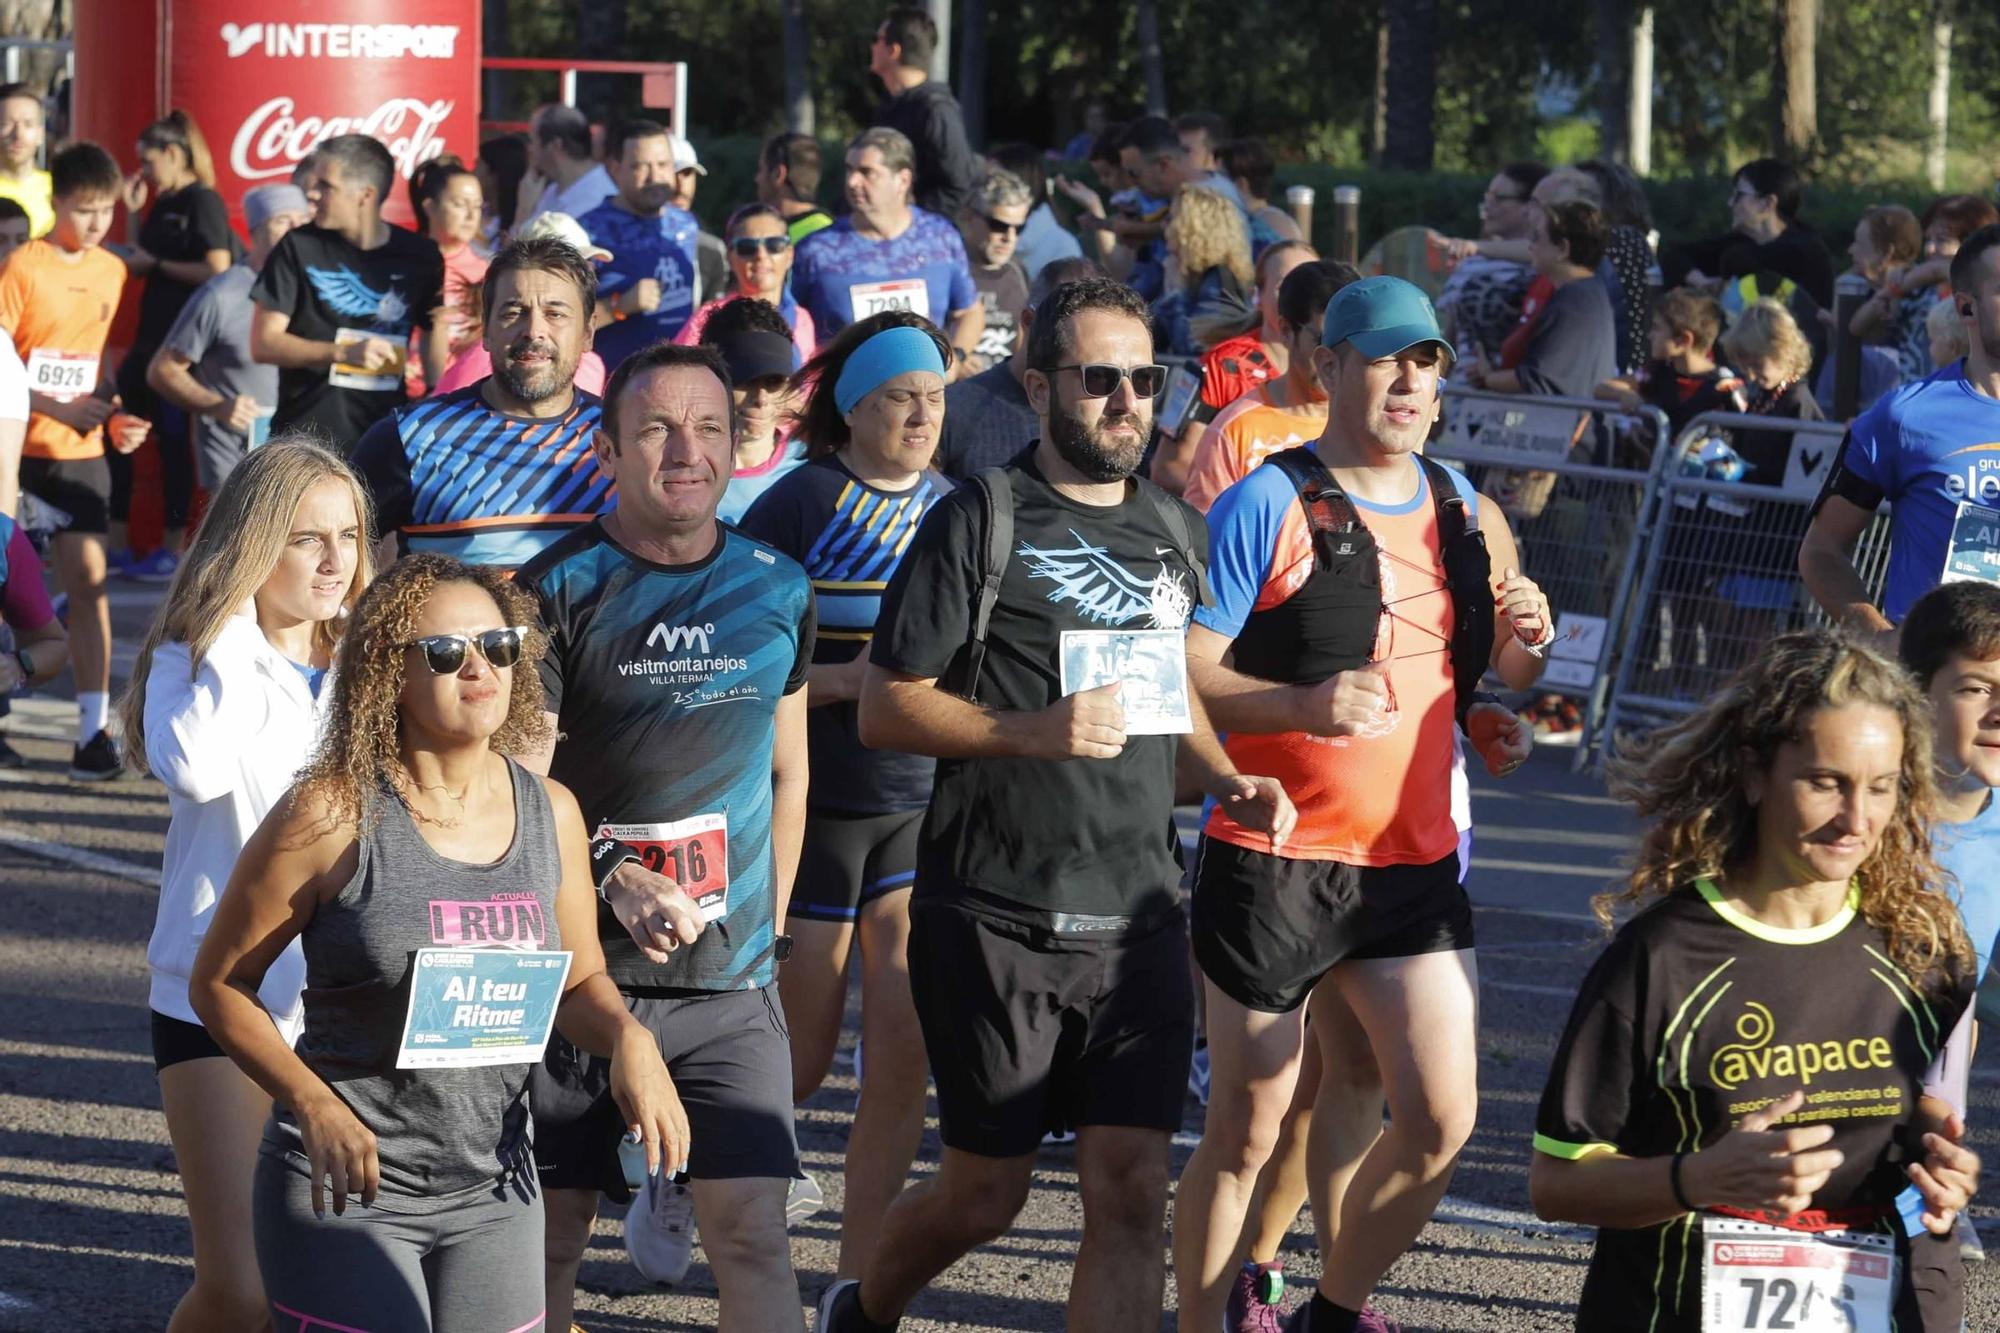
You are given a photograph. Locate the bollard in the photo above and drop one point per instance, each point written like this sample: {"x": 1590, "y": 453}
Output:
{"x": 1299, "y": 198}
{"x": 1347, "y": 223}
{"x": 1849, "y": 291}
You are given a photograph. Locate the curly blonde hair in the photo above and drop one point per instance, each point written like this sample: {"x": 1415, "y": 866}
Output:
{"x": 360, "y": 753}
{"x": 1767, "y": 332}
{"x": 1688, "y": 780}
{"x": 1207, "y": 231}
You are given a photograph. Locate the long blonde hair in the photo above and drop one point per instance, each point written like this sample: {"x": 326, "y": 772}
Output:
{"x": 1207, "y": 231}
{"x": 233, "y": 552}
{"x": 1687, "y": 779}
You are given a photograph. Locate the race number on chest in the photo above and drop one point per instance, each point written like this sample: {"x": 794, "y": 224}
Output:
{"x": 693, "y": 853}
{"x": 872, "y": 298}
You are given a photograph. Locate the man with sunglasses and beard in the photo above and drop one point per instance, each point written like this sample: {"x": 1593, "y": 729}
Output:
{"x": 494, "y": 472}
{"x": 1048, "y": 946}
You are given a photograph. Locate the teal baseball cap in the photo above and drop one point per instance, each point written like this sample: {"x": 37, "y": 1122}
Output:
{"x": 1381, "y": 317}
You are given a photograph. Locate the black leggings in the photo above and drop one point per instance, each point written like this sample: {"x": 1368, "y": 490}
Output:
{"x": 170, "y": 436}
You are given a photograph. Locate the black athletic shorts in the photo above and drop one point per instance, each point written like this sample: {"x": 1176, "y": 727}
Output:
{"x": 1267, "y": 928}
{"x": 849, "y": 861}
{"x": 80, "y": 487}
{"x": 1029, "y": 1030}
{"x": 730, "y": 1056}
{"x": 176, "y": 1040}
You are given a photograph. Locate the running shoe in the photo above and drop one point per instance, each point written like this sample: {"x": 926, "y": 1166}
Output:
{"x": 1970, "y": 1248}
{"x": 157, "y": 567}
{"x": 1056, "y": 1138}
{"x": 119, "y": 564}
{"x": 803, "y": 1199}
{"x": 839, "y": 1306}
{"x": 1198, "y": 1074}
{"x": 659, "y": 1229}
{"x": 1372, "y": 1321}
{"x": 98, "y": 760}
{"x": 1253, "y": 1300}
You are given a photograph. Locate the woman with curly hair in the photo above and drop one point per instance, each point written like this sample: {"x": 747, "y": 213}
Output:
{"x": 1744, "y": 1069}
{"x": 226, "y": 703}
{"x": 1211, "y": 278}
{"x": 443, "y": 898}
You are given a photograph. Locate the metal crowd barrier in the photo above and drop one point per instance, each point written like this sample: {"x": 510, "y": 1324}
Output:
{"x": 1720, "y": 575}
{"x": 1576, "y": 478}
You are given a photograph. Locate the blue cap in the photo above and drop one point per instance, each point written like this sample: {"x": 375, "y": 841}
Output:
{"x": 1381, "y": 317}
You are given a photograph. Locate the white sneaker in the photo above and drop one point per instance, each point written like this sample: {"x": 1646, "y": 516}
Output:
{"x": 803, "y": 1198}
{"x": 659, "y": 1229}
{"x": 1055, "y": 1138}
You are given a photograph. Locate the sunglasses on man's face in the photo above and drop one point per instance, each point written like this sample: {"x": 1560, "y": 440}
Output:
{"x": 444, "y": 654}
{"x": 1101, "y": 379}
{"x": 999, "y": 228}
{"x": 746, "y": 247}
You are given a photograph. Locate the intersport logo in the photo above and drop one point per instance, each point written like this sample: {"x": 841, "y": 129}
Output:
{"x": 341, "y": 41}
{"x": 274, "y": 138}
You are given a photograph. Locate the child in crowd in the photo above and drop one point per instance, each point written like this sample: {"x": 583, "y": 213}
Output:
{"x": 1947, "y": 334}
{"x": 1682, "y": 378}
{"x": 57, "y": 299}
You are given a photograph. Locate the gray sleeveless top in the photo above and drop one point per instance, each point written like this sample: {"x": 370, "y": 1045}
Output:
{"x": 439, "y": 1132}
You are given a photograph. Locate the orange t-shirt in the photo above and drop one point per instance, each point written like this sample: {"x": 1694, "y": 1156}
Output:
{"x": 58, "y": 307}
{"x": 1375, "y": 800}
{"x": 1243, "y": 435}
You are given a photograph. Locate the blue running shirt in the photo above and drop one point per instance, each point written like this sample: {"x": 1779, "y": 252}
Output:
{"x": 1922, "y": 448}
{"x": 837, "y": 268}
{"x": 661, "y": 248}
{"x": 452, "y": 476}
{"x": 665, "y": 682}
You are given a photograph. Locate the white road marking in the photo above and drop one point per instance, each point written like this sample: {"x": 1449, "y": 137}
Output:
{"x": 1566, "y": 992}
{"x": 79, "y": 857}
{"x": 12, "y": 1303}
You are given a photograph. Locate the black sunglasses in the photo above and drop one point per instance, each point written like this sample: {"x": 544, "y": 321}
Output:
{"x": 746, "y": 247}
{"x": 1101, "y": 379}
{"x": 444, "y": 654}
{"x": 1004, "y": 228}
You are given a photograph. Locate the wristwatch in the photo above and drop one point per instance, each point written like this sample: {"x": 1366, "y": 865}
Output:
{"x": 781, "y": 948}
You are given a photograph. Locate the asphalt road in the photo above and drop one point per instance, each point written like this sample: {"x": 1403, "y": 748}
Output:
{"x": 93, "y": 1235}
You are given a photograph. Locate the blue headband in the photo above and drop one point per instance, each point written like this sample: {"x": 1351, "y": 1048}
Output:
{"x": 890, "y": 353}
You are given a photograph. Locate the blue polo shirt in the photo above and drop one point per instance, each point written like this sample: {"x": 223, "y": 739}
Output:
{"x": 661, "y": 248}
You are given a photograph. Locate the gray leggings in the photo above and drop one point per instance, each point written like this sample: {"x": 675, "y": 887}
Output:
{"x": 472, "y": 1268}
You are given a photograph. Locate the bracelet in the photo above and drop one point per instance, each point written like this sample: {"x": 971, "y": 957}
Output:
{"x": 1674, "y": 1179}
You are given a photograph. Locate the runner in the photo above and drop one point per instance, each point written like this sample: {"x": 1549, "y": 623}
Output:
{"x": 204, "y": 367}
{"x": 450, "y": 204}
{"x": 676, "y": 676}
{"x": 227, "y": 701}
{"x": 788, "y": 180}
{"x": 760, "y": 266}
{"x": 563, "y": 177}
{"x": 759, "y": 352}
{"x": 407, "y": 1092}
{"x": 1746, "y": 1060}
{"x": 1280, "y": 413}
{"x": 847, "y": 516}
{"x": 23, "y": 129}
{"x": 887, "y": 255}
{"x": 990, "y": 223}
{"x": 652, "y": 283}
{"x": 1919, "y": 450}
{"x": 57, "y": 298}
{"x": 1347, "y": 674}
{"x": 474, "y": 364}
{"x": 495, "y": 472}
{"x": 1048, "y": 946}
{"x": 338, "y": 301}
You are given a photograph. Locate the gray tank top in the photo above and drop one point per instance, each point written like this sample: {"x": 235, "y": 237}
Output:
{"x": 439, "y": 1132}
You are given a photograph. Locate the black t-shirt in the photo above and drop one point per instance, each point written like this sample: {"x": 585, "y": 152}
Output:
{"x": 1694, "y": 1018}
{"x": 181, "y": 226}
{"x": 849, "y": 536}
{"x": 1685, "y": 397}
{"x": 1003, "y": 292}
{"x": 326, "y": 284}
{"x": 1075, "y": 835}
{"x": 1571, "y": 350}
{"x": 665, "y": 681}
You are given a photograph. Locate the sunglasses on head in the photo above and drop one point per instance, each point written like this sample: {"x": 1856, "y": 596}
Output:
{"x": 444, "y": 654}
{"x": 994, "y": 224}
{"x": 746, "y": 247}
{"x": 1101, "y": 379}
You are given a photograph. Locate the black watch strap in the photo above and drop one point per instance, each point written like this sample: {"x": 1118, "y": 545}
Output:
{"x": 606, "y": 855}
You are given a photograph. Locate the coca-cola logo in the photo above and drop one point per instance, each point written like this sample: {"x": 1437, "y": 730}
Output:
{"x": 274, "y": 138}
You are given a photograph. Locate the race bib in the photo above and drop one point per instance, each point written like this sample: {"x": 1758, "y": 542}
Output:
{"x": 62, "y": 376}
{"x": 1973, "y": 554}
{"x": 693, "y": 853}
{"x": 872, "y": 298}
{"x": 1755, "y": 1277}
{"x": 475, "y": 1007}
{"x": 1151, "y": 666}
{"x": 344, "y": 374}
